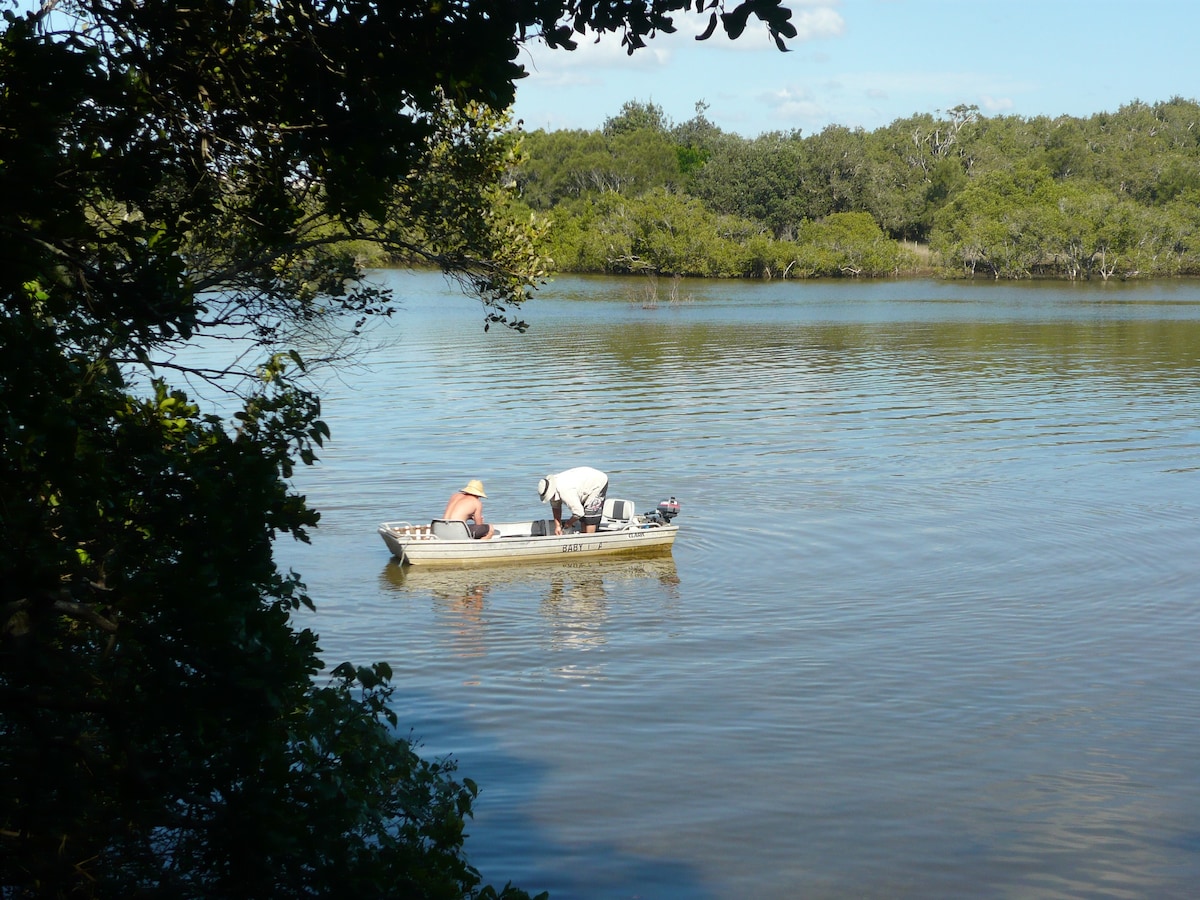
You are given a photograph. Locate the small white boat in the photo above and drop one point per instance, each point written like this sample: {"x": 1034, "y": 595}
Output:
{"x": 448, "y": 543}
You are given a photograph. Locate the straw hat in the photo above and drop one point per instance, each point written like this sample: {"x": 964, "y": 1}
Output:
{"x": 545, "y": 488}
{"x": 474, "y": 486}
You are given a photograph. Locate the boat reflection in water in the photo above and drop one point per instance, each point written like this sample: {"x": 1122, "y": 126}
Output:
{"x": 574, "y": 597}
{"x": 446, "y": 583}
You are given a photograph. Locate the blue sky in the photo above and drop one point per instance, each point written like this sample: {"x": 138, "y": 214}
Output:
{"x": 865, "y": 63}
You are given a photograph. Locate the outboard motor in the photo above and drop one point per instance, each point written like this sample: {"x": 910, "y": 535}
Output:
{"x": 668, "y": 509}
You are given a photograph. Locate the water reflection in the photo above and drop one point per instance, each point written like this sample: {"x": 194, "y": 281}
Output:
{"x": 966, "y": 653}
{"x": 443, "y": 581}
{"x": 573, "y": 596}
{"x": 575, "y": 604}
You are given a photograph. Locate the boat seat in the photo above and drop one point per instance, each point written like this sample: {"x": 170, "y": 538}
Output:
{"x": 545, "y": 528}
{"x": 450, "y": 530}
{"x": 616, "y": 514}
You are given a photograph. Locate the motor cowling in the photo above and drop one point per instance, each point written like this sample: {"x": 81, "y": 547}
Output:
{"x": 668, "y": 509}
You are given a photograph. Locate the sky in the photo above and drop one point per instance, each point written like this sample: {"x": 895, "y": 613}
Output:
{"x": 866, "y": 63}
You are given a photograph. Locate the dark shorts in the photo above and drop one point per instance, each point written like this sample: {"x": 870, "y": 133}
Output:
{"x": 478, "y": 531}
{"x": 593, "y": 510}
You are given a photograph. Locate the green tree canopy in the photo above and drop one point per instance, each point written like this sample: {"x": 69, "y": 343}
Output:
{"x": 635, "y": 116}
{"x": 564, "y": 166}
{"x": 757, "y": 180}
{"x": 945, "y": 180}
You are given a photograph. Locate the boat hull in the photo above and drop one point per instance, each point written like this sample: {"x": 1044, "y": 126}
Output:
{"x": 414, "y": 544}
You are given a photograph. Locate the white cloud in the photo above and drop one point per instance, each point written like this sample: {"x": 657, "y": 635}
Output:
{"x": 817, "y": 20}
{"x": 792, "y": 105}
{"x": 928, "y": 91}
{"x": 551, "y": 65}
{"x": 823, "y": 22}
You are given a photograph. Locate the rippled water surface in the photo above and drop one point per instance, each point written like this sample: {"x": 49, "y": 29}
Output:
{"x": 930, "y": 628}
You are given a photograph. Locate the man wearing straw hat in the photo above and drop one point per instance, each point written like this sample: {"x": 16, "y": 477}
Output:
{"x": 467, "y": 506}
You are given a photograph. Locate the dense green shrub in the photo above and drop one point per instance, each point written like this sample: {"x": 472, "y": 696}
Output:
{"x": 1111, "y": 195}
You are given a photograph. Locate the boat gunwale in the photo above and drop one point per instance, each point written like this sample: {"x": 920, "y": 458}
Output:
{"x": 638, "y": 536}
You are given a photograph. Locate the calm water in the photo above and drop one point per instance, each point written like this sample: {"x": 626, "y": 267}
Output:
{"x": 930, "y": 628}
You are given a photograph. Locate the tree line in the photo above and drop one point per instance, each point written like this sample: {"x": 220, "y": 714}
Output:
{"x": 1112, "y": 195}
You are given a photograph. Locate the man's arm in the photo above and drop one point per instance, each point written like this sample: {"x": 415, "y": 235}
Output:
{"x": 571, "y": 498}
{"x": 556, "y": 508}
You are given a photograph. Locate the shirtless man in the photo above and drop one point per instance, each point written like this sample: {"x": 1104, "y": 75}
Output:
{"x": 466, "y": 506}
